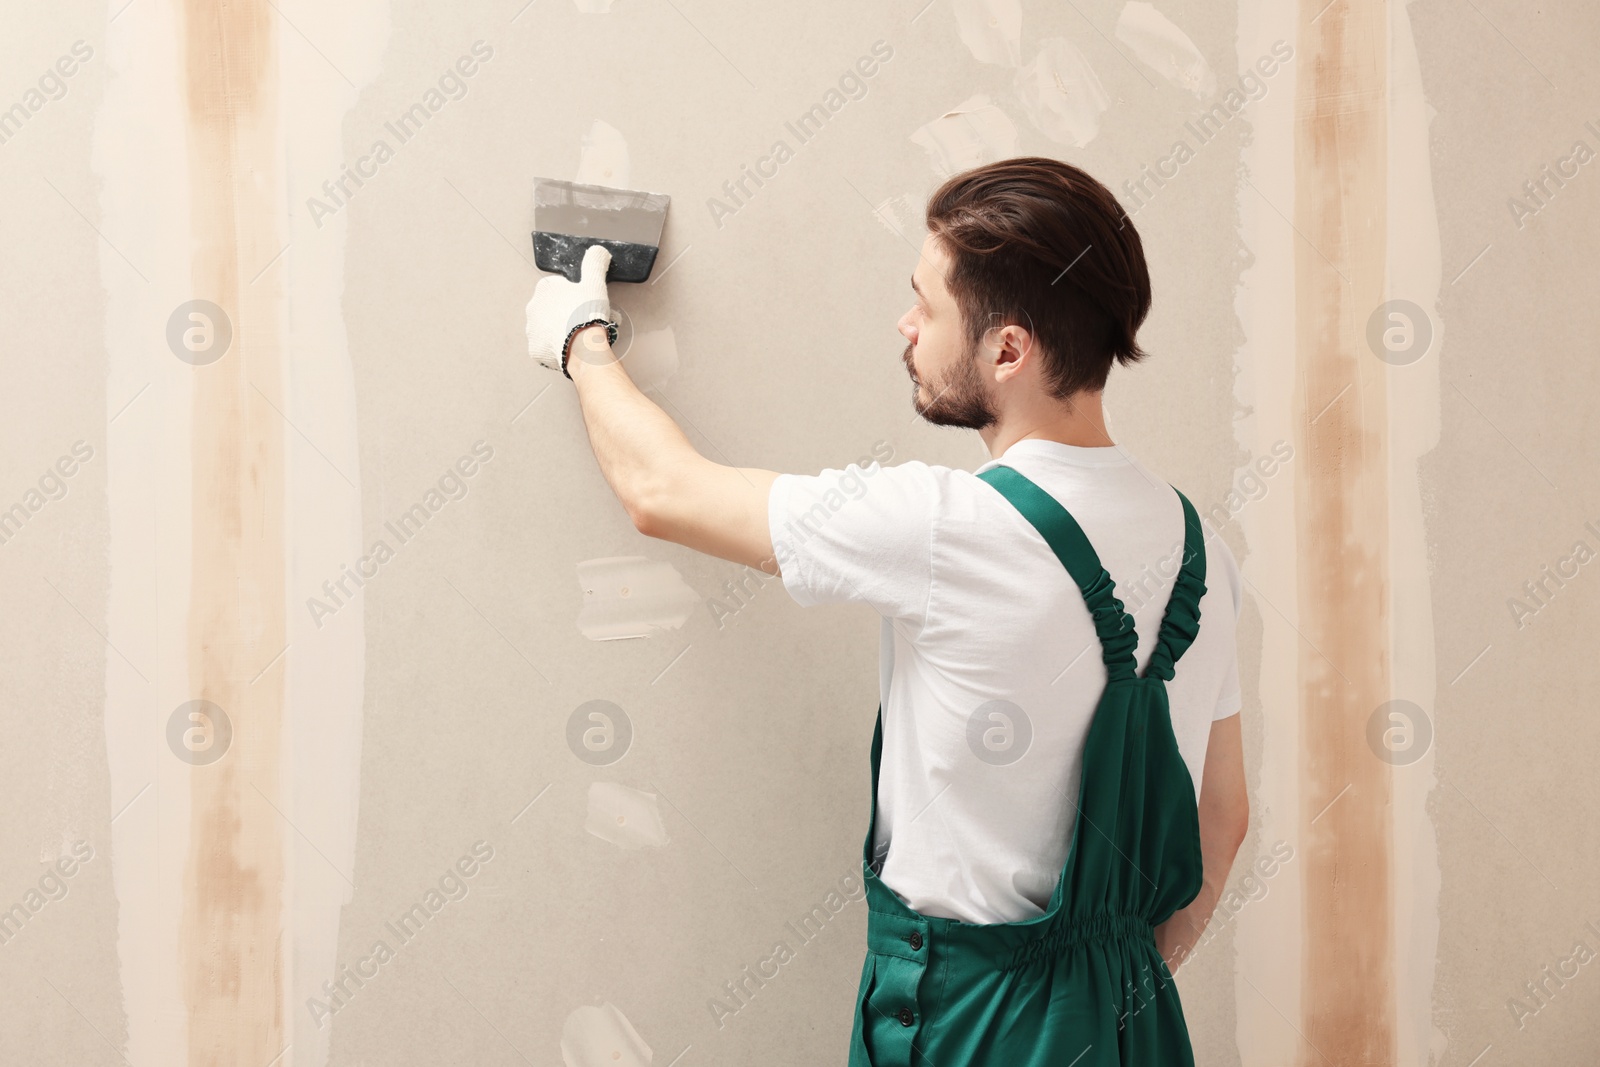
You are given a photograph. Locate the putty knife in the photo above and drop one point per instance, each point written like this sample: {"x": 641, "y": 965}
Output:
{"x": 568, "y": 217}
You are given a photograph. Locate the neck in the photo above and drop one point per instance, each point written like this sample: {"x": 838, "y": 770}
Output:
{"x": 1079, "y": 420}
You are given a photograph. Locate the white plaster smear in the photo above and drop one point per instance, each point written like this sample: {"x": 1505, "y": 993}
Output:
{"x": 1061, "y": 93}
{"x": 991, "y": 29}
{"x": 1268, "y": 938}
{"x": 1414, "y": 274}
{"x": 626, "y": 817}
{"x": 603, "y": 159}
{"x": 900, "y": 217}
{"x": 602, "y": 1037}
{"x": 970, "y": 134}
{"x": 1166, "y": 49}
{"x": 140, "y": 155}
{"x": 631, "y": 596}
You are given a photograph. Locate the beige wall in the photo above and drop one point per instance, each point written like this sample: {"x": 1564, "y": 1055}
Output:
{"x": 426, "y": 720}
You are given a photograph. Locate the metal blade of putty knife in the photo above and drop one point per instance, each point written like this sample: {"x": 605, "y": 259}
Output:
{"x": 568, "y": 217}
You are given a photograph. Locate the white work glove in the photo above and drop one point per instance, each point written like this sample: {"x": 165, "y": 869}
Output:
{"x": 560, "y": 308}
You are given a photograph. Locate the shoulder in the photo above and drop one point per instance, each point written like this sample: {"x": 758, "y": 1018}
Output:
{"x": 1222, "y": 571}
{"x": 907, "y": 481}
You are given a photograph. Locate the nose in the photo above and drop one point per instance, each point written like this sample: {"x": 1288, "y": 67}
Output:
{"x": 907, "y": 328}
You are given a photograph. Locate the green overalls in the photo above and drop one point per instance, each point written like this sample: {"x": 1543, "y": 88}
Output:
{"x": 1081, "y": 985}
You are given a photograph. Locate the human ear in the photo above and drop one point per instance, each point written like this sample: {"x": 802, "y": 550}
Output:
{"x": 1012, "y": 347}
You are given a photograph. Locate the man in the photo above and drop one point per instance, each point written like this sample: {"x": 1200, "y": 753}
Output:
{"x": 1031, "y": 882}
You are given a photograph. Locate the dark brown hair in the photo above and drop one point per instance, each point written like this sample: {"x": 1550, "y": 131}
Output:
{"x": 1039, "y": 244}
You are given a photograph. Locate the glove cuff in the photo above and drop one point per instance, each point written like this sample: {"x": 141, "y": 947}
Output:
{"x": 566, "y": 345}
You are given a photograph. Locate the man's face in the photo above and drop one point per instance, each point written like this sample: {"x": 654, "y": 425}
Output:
{"x": 948, "y": 386}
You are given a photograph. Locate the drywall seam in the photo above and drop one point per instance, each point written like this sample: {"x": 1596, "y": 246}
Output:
{"x": 1341, "y": 969}
{"x": 1342, "y": 516}
{"x": 230, "y": 871}
{"x": 232, "y": 940}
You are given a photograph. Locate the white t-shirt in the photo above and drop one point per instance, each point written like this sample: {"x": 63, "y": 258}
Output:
{"x": 975, "y": 810}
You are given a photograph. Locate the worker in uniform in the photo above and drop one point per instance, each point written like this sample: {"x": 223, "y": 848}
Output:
{"x": 1057, "y": 777}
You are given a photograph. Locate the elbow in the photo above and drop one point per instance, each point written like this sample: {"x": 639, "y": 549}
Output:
{"x": 1225, "y": 822}
{"x": 644, "y": 520}
{"x": 1238, "y": 825}
{"x": 644, "y": 510}
{"x": 1238, "y": 831}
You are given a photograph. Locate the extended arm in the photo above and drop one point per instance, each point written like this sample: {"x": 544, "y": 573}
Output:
{"x": 669, "y": 489}
{"x": 1224, "y": 818}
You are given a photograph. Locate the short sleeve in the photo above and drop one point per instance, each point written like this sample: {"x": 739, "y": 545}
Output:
{"x": 858, "y": 534}
{"x": 1231, "y": 700}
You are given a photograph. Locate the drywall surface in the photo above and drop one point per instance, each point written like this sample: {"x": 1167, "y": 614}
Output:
{"x": 351, "y": 721}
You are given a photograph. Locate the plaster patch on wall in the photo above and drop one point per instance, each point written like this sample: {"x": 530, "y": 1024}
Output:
{"x": 900, "y": 216}
{"x": 212, "y": 119}
{"x": 970, "y": 134}
{"x": 1373, "y": 852}
{"x": 1414, "y": 273}
{"x": 631, "y": 596}
{"x": 1165, "y": 49}
{"x": 652, "y": 358}
{"x": 603, "y": 159}
{"x": 139, "y": 134}
{"x": 991, "y": 29}
{"x": 626, "y": 817}
{"x": 1061, "y": 94}
{"x": 602, "y": 1037}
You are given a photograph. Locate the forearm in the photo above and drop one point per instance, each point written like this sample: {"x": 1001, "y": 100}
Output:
{"x": 634, "y": 441}
{"x": 1178, "y": 936}
{"x": 669, "y": 489}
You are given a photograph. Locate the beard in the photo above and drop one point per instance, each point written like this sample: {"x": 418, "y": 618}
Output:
{"x": 959, "y": 400}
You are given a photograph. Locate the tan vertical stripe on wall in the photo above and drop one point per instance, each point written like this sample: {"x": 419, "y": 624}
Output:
{"x": 1341, "y": 515}
{"x": 233, "y": 944}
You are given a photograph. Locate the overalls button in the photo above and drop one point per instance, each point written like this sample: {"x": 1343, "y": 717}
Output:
{"x": 916, "y": 940}
{"x": 906, "y": 1017}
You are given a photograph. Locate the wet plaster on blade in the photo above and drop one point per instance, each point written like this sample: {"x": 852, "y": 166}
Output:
{"x": 1342, "y": 515}
{"x": 232, "y": 947}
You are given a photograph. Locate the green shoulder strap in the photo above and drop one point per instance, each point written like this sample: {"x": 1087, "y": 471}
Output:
{"x": 1112, "y": 623}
